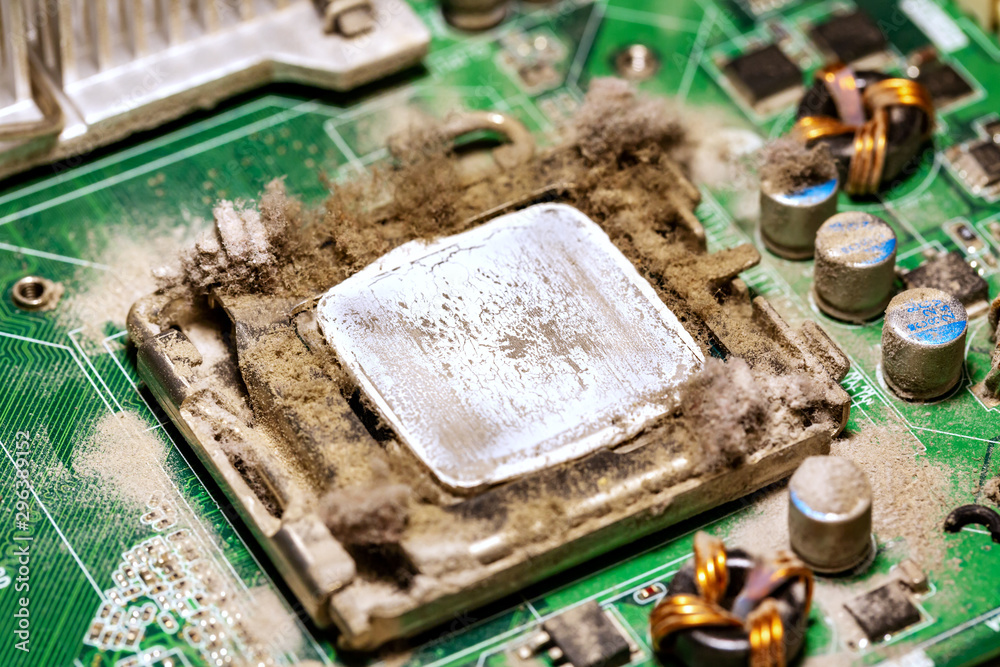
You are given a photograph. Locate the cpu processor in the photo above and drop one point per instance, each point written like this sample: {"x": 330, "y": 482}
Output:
{"x": 416, "y": 418}
{"x": 517, "y": 345}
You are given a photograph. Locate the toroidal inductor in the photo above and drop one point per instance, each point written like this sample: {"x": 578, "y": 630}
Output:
{"x": 873, "y": 124}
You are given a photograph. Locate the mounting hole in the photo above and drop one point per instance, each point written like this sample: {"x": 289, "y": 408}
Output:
{"x": 34, "y": 293}
{"x": 637, "y": 62}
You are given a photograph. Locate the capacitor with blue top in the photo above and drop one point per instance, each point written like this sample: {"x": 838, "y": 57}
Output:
{"x": 855, "y": 266}
{"x": 923, "y": 343}
{"x": 793, "y": 208}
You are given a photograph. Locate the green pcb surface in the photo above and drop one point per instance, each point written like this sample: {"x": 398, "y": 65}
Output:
{"x": 90, "y": 223}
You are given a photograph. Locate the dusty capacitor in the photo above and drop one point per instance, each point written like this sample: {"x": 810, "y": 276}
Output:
{"x": 830, "y": 514}
{"x": 923, "y": 343}
{"x": 791, "y": 214}
{"x": 855, "y": 266}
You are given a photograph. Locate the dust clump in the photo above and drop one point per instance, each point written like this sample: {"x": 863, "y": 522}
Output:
{"x": 830, "y": 484}
{"x": 735, "y": 411}
{"x": 367, "y": 516}
{"x": 126, "y": 457}
{"x": 992, "y": 491}
{"x": 106, "y": 295}
{"x": 268, "y": 626}
{"x": 727, "y": 397}
{"x": 788, "y": 166}
{"x": 614, "y": 121}
{"x": 243, "y": 246}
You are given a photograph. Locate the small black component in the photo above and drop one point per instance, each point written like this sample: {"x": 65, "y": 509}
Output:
{"x": 992, "y": 130}
{"x": 588, "y": 638}
{"x": 763, "y": 73}
{"x": 987, "y": 156}
{"x": 943, "y": 82}
{"x": 849, "y": 37}
{"x": 978, "y": 166}
{"x": 883, "y": 611}
{"x": 965, "y": 515}
{"x": 950, "y": 273}
{"x": 966, "y": 234}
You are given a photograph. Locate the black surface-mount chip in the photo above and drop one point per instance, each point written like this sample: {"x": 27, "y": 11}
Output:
{"x": 883, "y": 611}
{"x": 950, "y": 273}
{"x": 763, "y": 73}
{"x": 987, "y": 156}
{"x": 945, "y": 83}
{"x": 849, "y": 37}
{"x": 992, "y": 129}
{"x": 588, "y": 638}
{"x": 977, "y": 164}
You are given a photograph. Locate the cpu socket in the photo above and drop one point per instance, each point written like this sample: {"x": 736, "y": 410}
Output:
{"x": 485, "y": 381}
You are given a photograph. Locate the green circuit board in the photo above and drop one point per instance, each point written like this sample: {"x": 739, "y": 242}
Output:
{"x": 92, "y": 224}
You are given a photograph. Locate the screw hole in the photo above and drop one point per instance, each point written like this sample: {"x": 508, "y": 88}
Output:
{"x": 33, "y": 293}
{"x": 637, "y": 62}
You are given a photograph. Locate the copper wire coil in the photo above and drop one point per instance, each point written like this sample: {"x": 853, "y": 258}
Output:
{"x": 794, "y": 570}
{"x": 767, "y": 636}
{"x": 865, "y": 173}
{"x": 811, "y": 128}
{"x": 710, "y": 567}
{"x": 778, "y": 575}
{"x": 867, "y": 164}
{"x": 764, "y": 626}
{"x": 681, "y": 612}
{"x": 890, "y": 92}
{"x": 843, "y": 86}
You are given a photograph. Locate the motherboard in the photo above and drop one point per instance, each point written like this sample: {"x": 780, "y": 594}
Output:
{"x": 499, "y": 334}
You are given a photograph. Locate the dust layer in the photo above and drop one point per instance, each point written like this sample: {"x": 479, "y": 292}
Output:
{"x": 127, "y": 463}
{"x": 126, "y": 458}
{"x": 788, "y": 166}
{"x": 831, "y": 484}
{"x": 95, "y": 297}
{"x": 991, "y": 491}
{"x": 910, "y": 499}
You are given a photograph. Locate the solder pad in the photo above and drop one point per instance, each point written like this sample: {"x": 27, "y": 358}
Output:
{"x": 523, "y": 343}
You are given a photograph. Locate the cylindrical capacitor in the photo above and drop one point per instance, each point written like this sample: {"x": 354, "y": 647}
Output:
{"x": 474, "y": 14}
{"x": 789, "y": 218}
{"x": 830, "y": 514}
{"x": 855, "y": 266}
{"x": 923, "y": 343}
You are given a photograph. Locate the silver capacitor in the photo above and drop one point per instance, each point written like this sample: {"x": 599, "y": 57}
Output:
{"x": 789, "y": 219}
{"x": 923, "y": 343}
{"x": 830, "y": 514}
{"x": 474, "y": 14}
{"x": 855, "y": 266}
